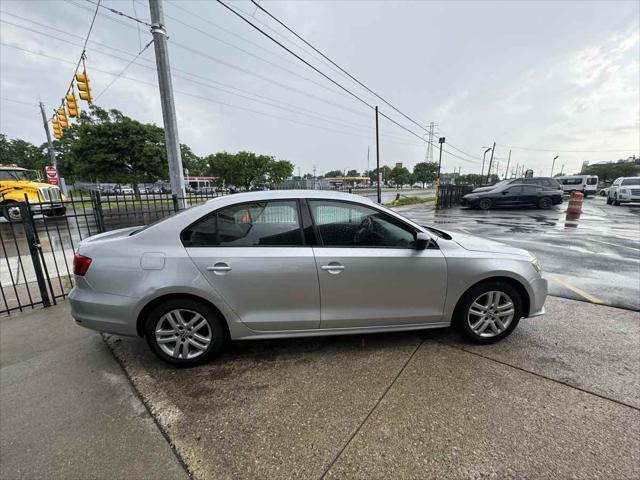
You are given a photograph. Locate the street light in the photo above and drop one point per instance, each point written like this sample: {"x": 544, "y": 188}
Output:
{"x": 553, "y": 164}
{"x": 488, "y": 149}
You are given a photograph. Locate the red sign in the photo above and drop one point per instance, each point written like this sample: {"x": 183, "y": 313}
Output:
{"x": 52, "y": 174}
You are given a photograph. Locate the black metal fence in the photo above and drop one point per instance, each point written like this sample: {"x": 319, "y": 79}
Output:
{"x": 37, "y": 252}
{"x": 449, "y": 195}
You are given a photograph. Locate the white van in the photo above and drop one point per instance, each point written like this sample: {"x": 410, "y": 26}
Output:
{"x": 587, "y": 184}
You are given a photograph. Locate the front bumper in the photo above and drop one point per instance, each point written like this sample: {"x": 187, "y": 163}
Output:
{"x": 537, "y": 297}
{"x": 628, "y": 197}
{"x": 103, "y": 312}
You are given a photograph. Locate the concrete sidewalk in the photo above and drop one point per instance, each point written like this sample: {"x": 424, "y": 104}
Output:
{"x": 560, "y": 398}
{"x": 67, "y": 410}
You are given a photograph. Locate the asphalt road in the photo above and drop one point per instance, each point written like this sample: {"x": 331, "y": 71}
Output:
{"x": 559, "y": 398}
{"x": 599, "y": 261}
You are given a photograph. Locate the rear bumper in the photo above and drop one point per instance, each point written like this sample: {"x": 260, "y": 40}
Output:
{"x": 103, "y": 312}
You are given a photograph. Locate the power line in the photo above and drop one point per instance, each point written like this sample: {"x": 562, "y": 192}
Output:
{"x": 123, "y": 70}
{"x": 339, "y": 67}
{"x": 117, "y": 12}
{"x": 200, "y": 97}
{"x": 327, "y": 76}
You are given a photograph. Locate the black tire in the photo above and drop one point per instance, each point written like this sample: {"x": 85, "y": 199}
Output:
{"x": 215, "y": 327}
{"x": 545, "y": 203}
{"x": 602, "y": 194}
{"x": 484, "y": 204}
{"x": 616, "y": 202}
{"x": 461, "y": 314}
{"x": 9, "y": 212}
{"x": 609, "y": 200}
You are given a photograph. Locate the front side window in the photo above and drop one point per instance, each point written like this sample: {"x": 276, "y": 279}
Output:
{"x": 344, "y": 224}
{"x": 255, "y": 224}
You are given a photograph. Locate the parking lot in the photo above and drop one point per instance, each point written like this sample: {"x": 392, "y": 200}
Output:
{"x": 597, "y": 261}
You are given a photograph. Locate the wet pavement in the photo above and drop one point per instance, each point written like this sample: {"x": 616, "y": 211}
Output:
{"x": 559, "y": 398}
{"x": 597, "y": 261}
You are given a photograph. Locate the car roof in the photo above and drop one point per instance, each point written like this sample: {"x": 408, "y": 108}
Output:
{"x": 279, "y": 194}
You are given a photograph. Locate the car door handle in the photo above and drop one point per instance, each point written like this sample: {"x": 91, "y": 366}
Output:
{"x": 219, "y": 267}
{"x": 332, "y": 267}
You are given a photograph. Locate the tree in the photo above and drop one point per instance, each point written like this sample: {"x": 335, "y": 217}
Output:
{"x": 385, "y": 173}
{"x": 608, "y": 172}
{"x": 246, "y": 169}
{"x": 353, "y": 173}
{"x": 333, "y": 173}
{"x": 22, "y": 154}
{"x": 425, "y": 172}
{"x": 113, "y": 147}
{"x": 192, "y": 163}
{"x": 400, "y": 176}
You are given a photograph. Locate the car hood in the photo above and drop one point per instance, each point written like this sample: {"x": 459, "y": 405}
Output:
{"x": 479, "y": 244}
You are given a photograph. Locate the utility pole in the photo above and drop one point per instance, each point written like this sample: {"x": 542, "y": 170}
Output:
{"x": 491, "y": 161}
{"x": 440, "y": 141}
{"x": 52, "y": 152}
{"x": 379, "y": 187}
{"x": 176, "y": 175}
{"x": 506, "y": 172}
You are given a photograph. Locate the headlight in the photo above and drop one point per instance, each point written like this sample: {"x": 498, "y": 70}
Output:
{"x": 536, "y": 265}
{"x": 624, "y": 190}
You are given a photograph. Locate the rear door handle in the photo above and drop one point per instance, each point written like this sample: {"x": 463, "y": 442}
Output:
{"x": 332, "y": 267}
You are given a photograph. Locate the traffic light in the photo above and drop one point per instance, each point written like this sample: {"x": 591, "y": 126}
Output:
{"x": 82, "y": 82}
{"x": 72, "y": 105}
{"x": 57, "y": 130}
{"x": 63, "y": 121}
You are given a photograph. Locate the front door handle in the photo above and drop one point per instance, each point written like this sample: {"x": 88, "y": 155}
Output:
{"x": 333, "y": 267}
{"x": 219, "y": 268}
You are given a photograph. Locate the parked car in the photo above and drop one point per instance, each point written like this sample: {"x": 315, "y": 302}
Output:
{"x": 279, "y": 264}
{"x": 587, "y": 184}
{"x": 624, "y": 189}
{"x": 547, "y": 182}
{"x": 509, "y": 195}
{"x": 604, "y": 192}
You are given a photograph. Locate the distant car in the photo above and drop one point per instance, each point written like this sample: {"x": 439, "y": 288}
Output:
{"x": 604, "y": 192}
{"x": 547, "y": 182}
{"x": 624, "y": 189}
{"x": 587, "y": 184}
{"x": 513, "y": 195}
{"x": 285, "y": 264}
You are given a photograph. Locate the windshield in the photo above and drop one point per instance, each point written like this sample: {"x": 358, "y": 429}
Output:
{"x": 631, "y": 181}
{"x": 21, "y": 175}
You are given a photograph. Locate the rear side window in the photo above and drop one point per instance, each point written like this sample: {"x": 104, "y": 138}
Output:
{"x": 255, "y": 224}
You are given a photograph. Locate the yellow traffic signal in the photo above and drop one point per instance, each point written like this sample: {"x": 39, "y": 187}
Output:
{"x": 62, "y": 117}
{"x": 57, "y": 130}
{"x": 72, "y": 105}
{"x": 82, "y": 82}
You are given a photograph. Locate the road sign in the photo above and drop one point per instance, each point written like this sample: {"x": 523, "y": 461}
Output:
{"x": 52, "y": 174}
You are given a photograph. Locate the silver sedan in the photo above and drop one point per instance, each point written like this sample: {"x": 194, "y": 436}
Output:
{"x": 296, "y": 264}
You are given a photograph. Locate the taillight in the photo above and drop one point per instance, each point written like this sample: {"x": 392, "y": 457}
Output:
{"x": 80, "y": 264}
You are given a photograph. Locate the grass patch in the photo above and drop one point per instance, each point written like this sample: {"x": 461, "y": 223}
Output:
{"x": 410, "y": 201}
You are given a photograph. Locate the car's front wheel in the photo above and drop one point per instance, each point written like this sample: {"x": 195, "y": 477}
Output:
{"x": 484, "y": 204}
{"x": 185, "y": 332}
{"x": 488, "y": 312}
{"x": 11, "y": 211}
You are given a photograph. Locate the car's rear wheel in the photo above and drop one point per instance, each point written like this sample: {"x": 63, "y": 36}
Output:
{"x": 545, "y": 203}
{"x": 484, "y": 204}
{"x": 185, "y": 332}
{"x": 488, "y": 312}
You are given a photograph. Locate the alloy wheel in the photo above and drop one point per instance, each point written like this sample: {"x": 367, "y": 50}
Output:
{"x": 491, "y": 314}
{"x": 13, "y": 212}
{"x": 183, "y": 334}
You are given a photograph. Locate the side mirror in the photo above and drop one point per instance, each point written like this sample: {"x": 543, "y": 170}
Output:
{"x": 422, "y": 240}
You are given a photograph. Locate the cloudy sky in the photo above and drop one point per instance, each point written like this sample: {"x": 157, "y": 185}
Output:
{"x": 540, "y": 78}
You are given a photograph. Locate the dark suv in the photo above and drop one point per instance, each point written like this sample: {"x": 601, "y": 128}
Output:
{"x": 547, "y": 183}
